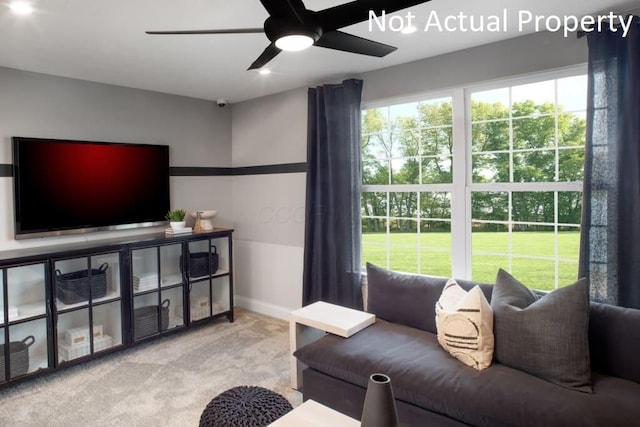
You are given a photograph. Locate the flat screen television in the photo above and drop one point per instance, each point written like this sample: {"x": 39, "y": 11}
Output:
{"x": 66, "y": 187}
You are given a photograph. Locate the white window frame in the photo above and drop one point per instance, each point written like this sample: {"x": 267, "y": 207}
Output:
{"x": 462, "y": 186}
{"x": 414, "y": 188}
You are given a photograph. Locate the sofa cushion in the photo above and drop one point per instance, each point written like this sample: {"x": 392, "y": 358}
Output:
{"x": 614, "y": 335}
{"x": 423, "y": 374}
{"x": 408, "y": 299}
{"x": 544, "y": 336}
{"x": 465, "y": 325}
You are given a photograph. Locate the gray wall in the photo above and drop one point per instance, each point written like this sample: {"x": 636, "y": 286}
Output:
{"x": 268, "y": 210}
{"x": 521, "y": 55}
{"x": 198, "y": 133}
{"x": 273, "y": 130}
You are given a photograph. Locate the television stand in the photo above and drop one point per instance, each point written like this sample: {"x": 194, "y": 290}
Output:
{"x": 66, "y": 304}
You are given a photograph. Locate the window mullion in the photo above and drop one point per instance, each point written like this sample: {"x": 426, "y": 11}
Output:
{"x": 388, "y": 230}
{"x": 460, "y": 226}
{"x": 556, "y": 248}
{"x": 419, "y": 231}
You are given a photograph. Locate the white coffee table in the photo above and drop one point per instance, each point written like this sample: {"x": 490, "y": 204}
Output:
{"x": 313, "y": 414}
{"x": 309, "y": 323}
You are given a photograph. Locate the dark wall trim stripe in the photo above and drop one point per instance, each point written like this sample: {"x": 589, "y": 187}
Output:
{"x": 6, "y": 170}
{"x": 200, "y": 171}
{"x": 271, "y": 169}
{"x": 245, "y": 170}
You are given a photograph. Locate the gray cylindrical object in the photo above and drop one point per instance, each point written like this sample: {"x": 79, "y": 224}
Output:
{"x": 379, "y": 405}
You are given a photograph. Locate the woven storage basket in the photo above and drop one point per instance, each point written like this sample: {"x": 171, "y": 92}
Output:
{"x": 18, "y": 357}
{"x": 199, "y": 263}
{"x": 145, "y": 320}
{"x": 72, "y": 288}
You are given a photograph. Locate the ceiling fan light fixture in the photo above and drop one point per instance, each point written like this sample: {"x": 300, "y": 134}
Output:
{"x": 294, "y": 42}
{"x": 292, "y": 27}
{"x": 21, "y": 8}
{"x": 409, "y": 29}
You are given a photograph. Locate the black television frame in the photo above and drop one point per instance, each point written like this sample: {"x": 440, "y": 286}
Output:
{"x": 21, "y": 234}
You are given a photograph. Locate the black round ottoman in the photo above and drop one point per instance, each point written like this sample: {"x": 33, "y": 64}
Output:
{"x": 244, "y": 406}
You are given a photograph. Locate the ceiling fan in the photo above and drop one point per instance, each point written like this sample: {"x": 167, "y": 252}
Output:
{"x": 291, "y": 26}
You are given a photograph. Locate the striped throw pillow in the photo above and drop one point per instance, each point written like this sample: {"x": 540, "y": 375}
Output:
{"x": 464, "y": 321}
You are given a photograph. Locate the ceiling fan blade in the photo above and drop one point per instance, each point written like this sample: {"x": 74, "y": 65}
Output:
{"x": 349, "y": 43}
{"x": 269, "y": 53}
{"x": 227, "y": 31}
{"x": 358, "y": 11}
{"x": 287, "y": 9}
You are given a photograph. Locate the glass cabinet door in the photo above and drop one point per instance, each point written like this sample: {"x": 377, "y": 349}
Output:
{"x": 158, "y": 287}
{"x": 88, "y": 305}
{"x": 73, "y": 276}
{"x": 88, "y": 330}
{"x": 26, "y": 293}
{"x": 209, "y": 278}
{"x": 24, "y": 319}
{"x": 74, "y": 334}
{"x": 110, "y": 264}
{"x": 28, "y": 346}
{"x": 171, "y": 266}
{"x": 4, "y": 368}
{"x": 3, "y": 313}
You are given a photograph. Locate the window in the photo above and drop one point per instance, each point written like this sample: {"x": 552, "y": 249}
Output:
{"x": 481, "y": 178}
{"x": 407, "y": 173}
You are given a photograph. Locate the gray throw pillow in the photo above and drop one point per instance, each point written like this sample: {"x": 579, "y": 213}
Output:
{"x": 408, "y": 299}
{"x": 545, "y": 336}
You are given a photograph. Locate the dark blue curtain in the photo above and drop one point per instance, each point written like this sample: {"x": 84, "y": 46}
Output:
{"x": 610, "y": 238}
{"x": 332, "y": 215}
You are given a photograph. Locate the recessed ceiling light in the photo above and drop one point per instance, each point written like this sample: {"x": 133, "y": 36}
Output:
{"x": 21, "y": 8}
{"x": 265, "y": 71}
{"x": 409, "y": 29}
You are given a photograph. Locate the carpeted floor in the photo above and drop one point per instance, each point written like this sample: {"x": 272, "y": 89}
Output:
{"x": 166, "y": 382}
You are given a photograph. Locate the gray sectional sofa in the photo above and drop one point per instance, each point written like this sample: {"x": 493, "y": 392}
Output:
{"x": 434, "y": 389}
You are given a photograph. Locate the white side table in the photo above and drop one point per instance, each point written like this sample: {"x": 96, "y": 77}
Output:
{"x": 313, "y": 414}
{"x": 309, "y": 323}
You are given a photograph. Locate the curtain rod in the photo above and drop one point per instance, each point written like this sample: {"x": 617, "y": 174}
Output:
{"x": 581, "y": 34}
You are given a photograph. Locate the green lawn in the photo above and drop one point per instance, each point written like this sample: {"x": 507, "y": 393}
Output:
{"x": 488, "y": 255}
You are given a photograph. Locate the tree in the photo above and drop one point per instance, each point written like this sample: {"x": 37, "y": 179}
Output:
{"x": 417, "y": 147}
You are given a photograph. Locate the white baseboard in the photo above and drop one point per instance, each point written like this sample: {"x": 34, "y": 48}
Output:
{"x": 262, "y": 307}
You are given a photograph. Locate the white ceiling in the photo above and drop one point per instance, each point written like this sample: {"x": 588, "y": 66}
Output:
{"x": 104, "y": 41}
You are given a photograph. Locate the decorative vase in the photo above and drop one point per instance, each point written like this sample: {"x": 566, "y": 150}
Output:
{"x": 379, "y": 404}
{"x": 197, "y": 228}
{"x": 206, "y": 219}
{"x": 177, "y": 225}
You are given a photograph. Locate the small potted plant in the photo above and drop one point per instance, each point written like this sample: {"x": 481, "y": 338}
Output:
{"x": 176, "y": 218}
